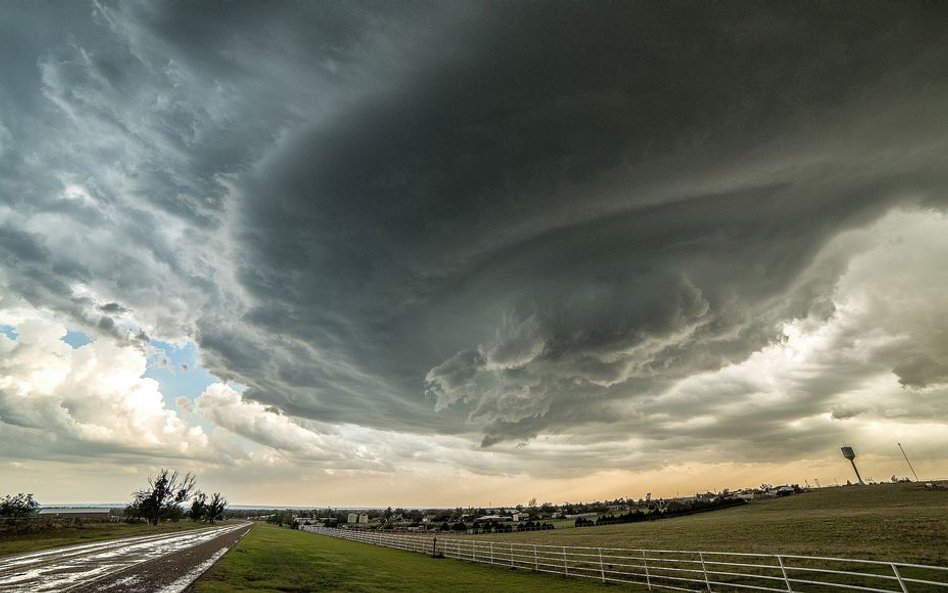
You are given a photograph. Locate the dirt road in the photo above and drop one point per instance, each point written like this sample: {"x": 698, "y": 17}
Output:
{"x": 147, "y": 564}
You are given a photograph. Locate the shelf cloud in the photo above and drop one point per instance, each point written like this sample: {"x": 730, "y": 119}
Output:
{"x": 513, "y": 239}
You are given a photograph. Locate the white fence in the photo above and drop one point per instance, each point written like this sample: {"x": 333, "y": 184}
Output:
{"x": 674, "y": 569}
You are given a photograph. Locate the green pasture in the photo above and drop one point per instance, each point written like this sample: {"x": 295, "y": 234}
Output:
{"x": 278, "y": 559}
{"x": 895, "y": 522}
{"x": 903, "y": 522}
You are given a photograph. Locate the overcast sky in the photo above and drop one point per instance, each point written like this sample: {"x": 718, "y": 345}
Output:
{"x": 373, "y": 253}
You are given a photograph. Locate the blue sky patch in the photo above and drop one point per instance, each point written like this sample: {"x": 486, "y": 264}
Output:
{"x": 177, "y": 371}
{"x": 77, "y": 339}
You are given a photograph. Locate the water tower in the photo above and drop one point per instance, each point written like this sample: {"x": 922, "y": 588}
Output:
{"x": 849, "y": 454}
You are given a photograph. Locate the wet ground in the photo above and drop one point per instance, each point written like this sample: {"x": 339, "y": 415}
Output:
{"x": 148, "y": 564}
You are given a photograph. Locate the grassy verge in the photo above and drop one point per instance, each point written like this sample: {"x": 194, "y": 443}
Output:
{"x": 276, "y": 559}
{"x": 896, "y": 522}
{"x": 57, "y": 536}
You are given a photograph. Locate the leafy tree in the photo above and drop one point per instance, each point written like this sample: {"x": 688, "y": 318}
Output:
{"x": 198, "y": 507}
{"x": 214, "y": 509}
{"x": 15, "y": 508}
{"x": 161, "y": 500}
{"x": 281, "y": 518}
{"x": 176, "y": 514}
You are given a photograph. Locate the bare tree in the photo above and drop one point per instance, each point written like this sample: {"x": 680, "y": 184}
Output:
{"x": 162, "y": 498}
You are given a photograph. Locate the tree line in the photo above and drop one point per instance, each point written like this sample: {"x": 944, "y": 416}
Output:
{"x": 672, "y": 509}
{"x": 16, "y": 510}
{"x": 162, "y": 500}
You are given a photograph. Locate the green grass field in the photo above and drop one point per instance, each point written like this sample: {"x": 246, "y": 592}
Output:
{"x": 278, "y": 559}
{"x": 66, "y": 536}
{"x": 896, "y": 522}
{"x": 892, "y": 522}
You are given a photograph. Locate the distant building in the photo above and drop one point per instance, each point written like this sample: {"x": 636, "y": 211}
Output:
{"x": 495, "y": 518}
{"x": 582, "y": 515}
{"x": 363, "y": 518}
{"x": 352, "y": 518}
{"x": 85, "y": 513}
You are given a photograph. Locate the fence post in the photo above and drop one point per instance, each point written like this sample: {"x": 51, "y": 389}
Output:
{"x": 511, "y": 556}
{"x": 434, "y": 547}
{"x": 648, "y": 577}
{"x": 895, "y": 569}
{"x": 565, "y": 565}
{"x": 602, "y": 569}
{"x": 704, "y": 569}
{"x": 492, "y": 553}
{"x": 536, "y": 563}
{"x": 783, "y": 569}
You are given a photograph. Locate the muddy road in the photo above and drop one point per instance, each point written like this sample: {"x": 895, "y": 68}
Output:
{"x": 166, "y": 563}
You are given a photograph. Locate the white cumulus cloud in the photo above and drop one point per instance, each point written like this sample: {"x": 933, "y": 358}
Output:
{"x": 89, "y": 398}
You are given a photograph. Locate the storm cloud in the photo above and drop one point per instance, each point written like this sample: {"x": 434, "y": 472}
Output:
{"x": 492, "y": 224}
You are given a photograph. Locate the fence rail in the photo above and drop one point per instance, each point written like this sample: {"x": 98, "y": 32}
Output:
{"x": 674, "y": 569}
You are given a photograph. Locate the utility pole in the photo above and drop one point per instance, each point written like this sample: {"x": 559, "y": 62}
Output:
{"x": 908, "y": 462}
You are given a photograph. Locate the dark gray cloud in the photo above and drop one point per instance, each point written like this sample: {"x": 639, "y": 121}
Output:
{"x": 491, "y": 221}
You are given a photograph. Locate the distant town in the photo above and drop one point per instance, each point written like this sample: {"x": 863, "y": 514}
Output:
{"x": 532, "y": 516}
{"x": 529, "y": 517}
